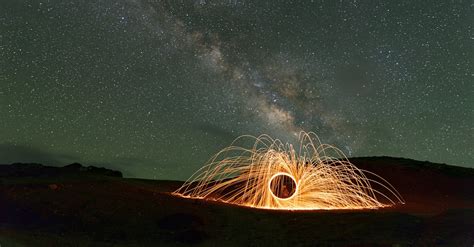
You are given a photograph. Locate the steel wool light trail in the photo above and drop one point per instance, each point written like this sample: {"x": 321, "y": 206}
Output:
{"x": 274, "y": 175}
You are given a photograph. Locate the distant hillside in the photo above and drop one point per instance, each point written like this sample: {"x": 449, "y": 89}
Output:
{"x": 39, "y": 170}
{"x": 385, "y": 161}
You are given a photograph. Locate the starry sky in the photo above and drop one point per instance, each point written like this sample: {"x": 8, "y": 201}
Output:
{"x": 154, "y": 88}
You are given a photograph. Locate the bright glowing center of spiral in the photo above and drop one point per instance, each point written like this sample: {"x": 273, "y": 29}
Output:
{"x": 282, "y": 186}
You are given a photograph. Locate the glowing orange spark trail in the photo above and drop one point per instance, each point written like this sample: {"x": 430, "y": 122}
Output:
{"x": 274, "y": 175}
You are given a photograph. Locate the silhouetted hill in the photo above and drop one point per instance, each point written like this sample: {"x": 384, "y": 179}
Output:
{"x": 39, "y": 170}
{"x": 386, "y": 161}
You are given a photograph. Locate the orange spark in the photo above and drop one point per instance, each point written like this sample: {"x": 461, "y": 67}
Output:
{"x": 274, "y": 175}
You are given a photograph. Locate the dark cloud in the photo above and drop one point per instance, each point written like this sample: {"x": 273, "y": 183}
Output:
{"x": 11, "y": 153}
{"x": 216, "y": 131}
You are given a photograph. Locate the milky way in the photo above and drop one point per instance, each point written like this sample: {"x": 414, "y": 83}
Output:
{"x": 154, "y": 88}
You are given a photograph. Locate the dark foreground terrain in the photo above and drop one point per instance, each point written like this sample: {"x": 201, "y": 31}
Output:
{"x": 87, "y": 206}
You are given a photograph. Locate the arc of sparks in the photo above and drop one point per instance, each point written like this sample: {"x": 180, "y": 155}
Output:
{"x": 274, "y": 175}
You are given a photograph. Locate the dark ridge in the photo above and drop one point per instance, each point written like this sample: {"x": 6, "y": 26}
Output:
{"x": 386, "y": 161}
{"x": 39, "y": 170}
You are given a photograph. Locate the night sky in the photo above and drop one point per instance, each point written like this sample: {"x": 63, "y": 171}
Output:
{"x": 154, "y": 88}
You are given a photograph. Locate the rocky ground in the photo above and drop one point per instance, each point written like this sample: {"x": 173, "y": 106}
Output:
{"x": 88, "y": 206}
